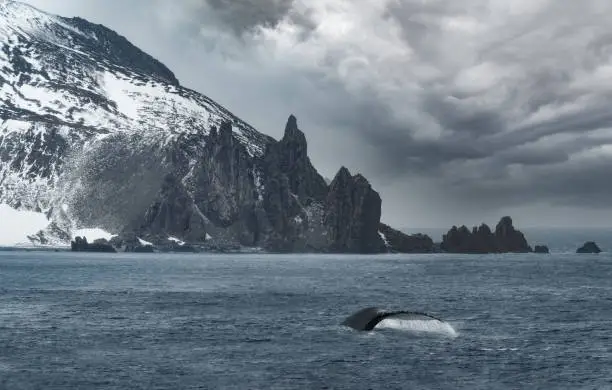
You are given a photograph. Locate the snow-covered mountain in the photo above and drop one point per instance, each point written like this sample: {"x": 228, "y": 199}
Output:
{"x": 67, "y": 80}
{"x": 98, "y": 134}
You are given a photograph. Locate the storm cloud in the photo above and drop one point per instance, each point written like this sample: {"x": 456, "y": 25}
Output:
{"x": 457, "y": 112}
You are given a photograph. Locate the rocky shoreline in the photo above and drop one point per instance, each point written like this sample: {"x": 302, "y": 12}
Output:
{"x": 458, "y": 240}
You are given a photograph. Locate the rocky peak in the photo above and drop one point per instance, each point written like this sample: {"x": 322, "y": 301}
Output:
{"x": 504, "y": 226}
{"x": 352, "y": 215}
{"x": 291, "y": 154}
{"x": 342, "y": 179}
{"x": 293, "y": 133}
{"x": 508, "y": 238}
{"x": 484, "y": 229}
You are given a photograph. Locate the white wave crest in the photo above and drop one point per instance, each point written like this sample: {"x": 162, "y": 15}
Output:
{"x": 431, "y": 326}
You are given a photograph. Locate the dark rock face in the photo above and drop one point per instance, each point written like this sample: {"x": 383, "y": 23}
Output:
{"x": 292, "y": 150}
{"x": 589, "y": 247}
{"x": 479, "y": 241}
{"x": 80, "y": 244}
{"x": 352, "y": 215}
{"x": 222, "y": 183}
{"x": 174, "y": 214}
{"x": 214, "y": 196}
{"x": 292, "y": 194}
{"x": 144, "y": 249}
{"x": 541, "y": 249}
{"x": 457, "y": 240}
{"x": 482, "y": 240}
{"x": 398, "y": 242}
{"x": 510, "y": 239}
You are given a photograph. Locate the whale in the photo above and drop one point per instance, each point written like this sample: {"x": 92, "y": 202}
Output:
{"x": 367, "y": 319}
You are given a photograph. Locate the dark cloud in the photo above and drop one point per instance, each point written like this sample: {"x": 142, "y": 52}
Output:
{"x": 244, "y": 15}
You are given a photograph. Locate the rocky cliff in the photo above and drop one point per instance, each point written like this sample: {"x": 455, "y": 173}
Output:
{"x": 96, "y": 133}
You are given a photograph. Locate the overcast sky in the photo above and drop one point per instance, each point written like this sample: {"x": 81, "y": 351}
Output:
{"x": 456, "y": 111}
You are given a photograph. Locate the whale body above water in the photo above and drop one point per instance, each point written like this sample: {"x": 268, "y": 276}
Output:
{"x": 367, "y": 319}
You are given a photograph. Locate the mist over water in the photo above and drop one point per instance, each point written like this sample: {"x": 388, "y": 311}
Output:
{"x": 145, "y": 321}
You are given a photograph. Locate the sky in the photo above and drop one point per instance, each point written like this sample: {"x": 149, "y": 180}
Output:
{"x": 457, "y": 112}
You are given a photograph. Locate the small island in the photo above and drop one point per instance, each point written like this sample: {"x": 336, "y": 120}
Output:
{"x": 80, "y": 244}
{"x": 589, "y": 247}
{"x": 482, "y": 240}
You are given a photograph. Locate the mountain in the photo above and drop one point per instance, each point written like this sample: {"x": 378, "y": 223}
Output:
{"x": 95, "y": 133}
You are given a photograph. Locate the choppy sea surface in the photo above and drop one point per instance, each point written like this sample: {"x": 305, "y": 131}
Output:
{"x": 74, "y": 321}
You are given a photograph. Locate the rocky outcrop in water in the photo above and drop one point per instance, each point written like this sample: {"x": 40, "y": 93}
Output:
{"x": 482, "y": 240}
{"x": 398, "y": 242}
{"x": 589, "y": 247}
{"x": 509, "y": 239}
{"x": 80, "y": 244}
{"x": 541, "y": 249}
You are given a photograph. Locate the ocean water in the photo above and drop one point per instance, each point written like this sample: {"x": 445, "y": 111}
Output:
{"x": 74, "y": 321}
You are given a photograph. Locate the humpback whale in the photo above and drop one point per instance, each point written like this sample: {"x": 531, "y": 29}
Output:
{"x": 367, "y": 319}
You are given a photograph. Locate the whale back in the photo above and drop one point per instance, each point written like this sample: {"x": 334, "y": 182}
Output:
{"x": 367, "y": 319}
{"x": 364, "y": 319}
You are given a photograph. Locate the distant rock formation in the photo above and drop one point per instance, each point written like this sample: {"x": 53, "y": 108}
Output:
{"x": 80, "y": 244}
{"x": 589, "y": 247}
{"x": 541, "y": 249}
{"x": 509, "y": 239}
{"x": 481, "y": 240}
{"x": 398, "y": 242}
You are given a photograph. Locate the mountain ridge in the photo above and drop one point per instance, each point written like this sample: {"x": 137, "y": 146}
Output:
{"x": 98, "y": 134}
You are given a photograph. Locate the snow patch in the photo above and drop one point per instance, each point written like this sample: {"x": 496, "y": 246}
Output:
{"x": 17, "y": 225}
{"x": 14, "y": 126}
{"x": 144, "y": 243}
{"x": 178, "y": 241}
{"x": 384, "y": 238}
{"x": 116, "y": 91}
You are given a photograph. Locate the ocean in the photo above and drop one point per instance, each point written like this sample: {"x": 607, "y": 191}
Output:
{"x": 151, "y": 321}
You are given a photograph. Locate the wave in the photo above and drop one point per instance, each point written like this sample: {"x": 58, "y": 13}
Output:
{"x": 428, "y": 326}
